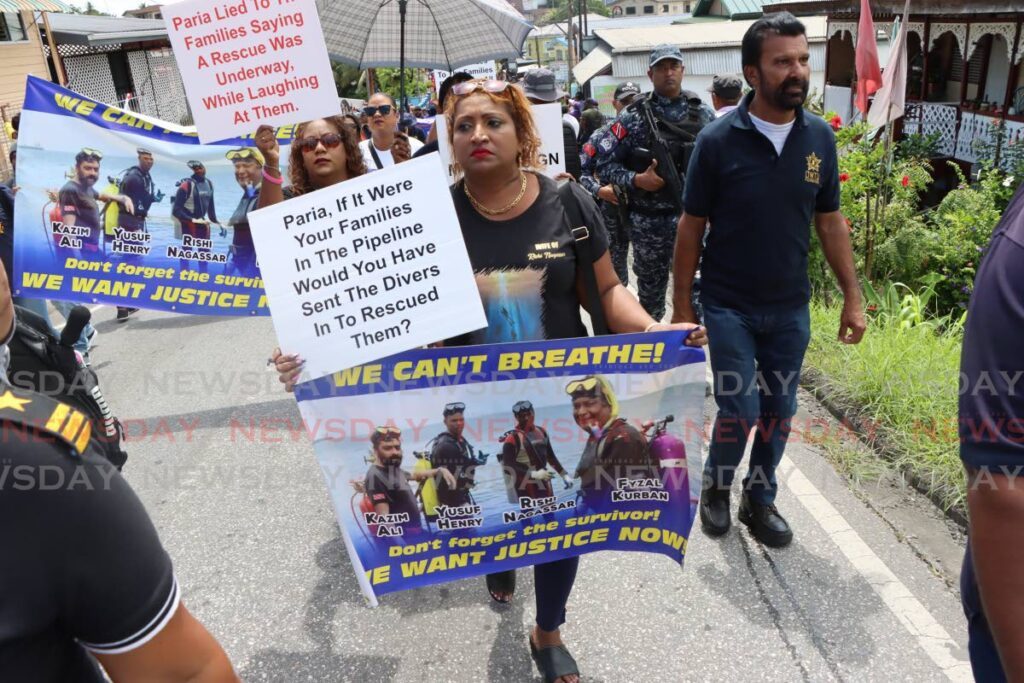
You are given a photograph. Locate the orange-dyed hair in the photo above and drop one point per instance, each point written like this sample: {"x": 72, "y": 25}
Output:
{"x": 519, "y": 109}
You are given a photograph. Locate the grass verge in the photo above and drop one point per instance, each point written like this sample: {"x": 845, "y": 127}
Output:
{"x": 900, "y": 387}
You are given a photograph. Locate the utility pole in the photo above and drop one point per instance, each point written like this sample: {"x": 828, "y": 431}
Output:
{"x": 572, "y": 36}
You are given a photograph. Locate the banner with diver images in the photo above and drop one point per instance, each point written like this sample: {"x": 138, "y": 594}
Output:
{"x": 117, "y": 208}
{"x": 448, "y": 463}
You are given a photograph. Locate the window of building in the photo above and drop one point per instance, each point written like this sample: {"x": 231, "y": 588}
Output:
{"x": 648, "y": 9}
{"x": 631, "y": 10}
{"x": 11, "y": 28}
{"x": 687, "y": 7}
{"x": 664, "y": 9}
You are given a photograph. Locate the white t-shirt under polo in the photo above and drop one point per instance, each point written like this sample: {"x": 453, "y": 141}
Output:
{"x": 776, "y": 132}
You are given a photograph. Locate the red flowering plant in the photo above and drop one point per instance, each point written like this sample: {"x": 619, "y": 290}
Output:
{"x": 878, "y": 196}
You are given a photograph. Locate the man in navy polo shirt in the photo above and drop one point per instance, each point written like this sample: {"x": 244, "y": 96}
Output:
{"x": 759, "y": 176}
{"x": 992, "y": 449}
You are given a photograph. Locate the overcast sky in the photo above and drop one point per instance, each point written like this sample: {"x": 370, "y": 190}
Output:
{"x": 115, "y": 7}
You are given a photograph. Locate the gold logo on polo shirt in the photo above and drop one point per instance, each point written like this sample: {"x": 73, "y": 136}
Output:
{"x": 813, "y": 173}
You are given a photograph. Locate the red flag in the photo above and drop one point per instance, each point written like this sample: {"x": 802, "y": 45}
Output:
{"x": 869, "y": 75}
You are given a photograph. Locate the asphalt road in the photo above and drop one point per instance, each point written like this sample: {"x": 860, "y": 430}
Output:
{"x": 865, "y": 592}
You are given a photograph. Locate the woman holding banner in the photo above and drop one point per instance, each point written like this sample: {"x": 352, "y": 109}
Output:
{"x": 516, "y": 226}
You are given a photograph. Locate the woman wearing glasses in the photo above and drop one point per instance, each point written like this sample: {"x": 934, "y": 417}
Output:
{"x": 379, "y": 150}
{"x": 323, "y": 153}
{"x": 517, "y": 234}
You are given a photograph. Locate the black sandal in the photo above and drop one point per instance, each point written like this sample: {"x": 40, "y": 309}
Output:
{"x": 502, "y": 582}
{"x": 553, "y": 662}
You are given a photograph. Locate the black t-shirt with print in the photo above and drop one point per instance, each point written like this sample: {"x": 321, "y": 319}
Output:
{"x": 526, "y": 267}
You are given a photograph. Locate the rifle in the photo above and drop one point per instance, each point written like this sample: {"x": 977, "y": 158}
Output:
{"x": 622, "y": 197}
{"x": 666, "y": 165}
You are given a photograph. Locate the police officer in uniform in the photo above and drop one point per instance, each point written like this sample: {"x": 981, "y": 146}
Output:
{"x": 655, "y": 207}
{"x": 614, "y": 201}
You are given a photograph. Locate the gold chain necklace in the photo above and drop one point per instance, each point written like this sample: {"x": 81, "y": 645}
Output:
{"x": 496, "y": 212}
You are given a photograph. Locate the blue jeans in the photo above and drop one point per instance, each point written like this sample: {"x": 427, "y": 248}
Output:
{"x": 82, "y": 345}
{"x": 981, "y": 646}
{"x": 755, "y": 359}
{"x": 37, "y": 306}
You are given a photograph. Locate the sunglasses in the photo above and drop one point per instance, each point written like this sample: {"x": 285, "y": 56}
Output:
{"x": 243, "y": 153}
{"x": 388, "y": 431}
{"x": 89, "y": 151}
{"x": 329, "y": 141}
{"x": 384, "y": 110}
{"x": 488, "y": 85}
{"x": 452, "y": 408}
{"x": 581, "y": 386}
{"x": 522, "y": 407}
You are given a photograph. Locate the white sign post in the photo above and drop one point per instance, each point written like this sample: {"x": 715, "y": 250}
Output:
{"x": 547, "y": 119}
{"x": 367, "y": 268}
{"x": 250, "y": 62}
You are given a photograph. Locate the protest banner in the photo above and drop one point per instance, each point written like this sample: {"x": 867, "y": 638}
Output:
{"x": 619, "y": 416}
{"x": 548, "y": 120}
{"x": 251, "y": 62}
{"x": 367, "y": 268}
{"x": 185, "y": 245}
{"x": 478, "y": 70}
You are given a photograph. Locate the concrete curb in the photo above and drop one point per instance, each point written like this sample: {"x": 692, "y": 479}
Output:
{"x": 817, "y": 384}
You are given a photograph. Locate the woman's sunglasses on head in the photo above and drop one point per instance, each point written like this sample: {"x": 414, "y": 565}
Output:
{"x": 486, "y": 84}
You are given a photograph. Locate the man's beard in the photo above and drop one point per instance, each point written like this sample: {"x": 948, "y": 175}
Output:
{"x": 88, "y": 180}
{"x": 783, "y": 100}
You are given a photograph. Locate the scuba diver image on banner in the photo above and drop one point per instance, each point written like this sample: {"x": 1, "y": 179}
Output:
{"x": 451, "y": 451}
{"x": 605, "y": 454}
{"x": 133, "y": 212}
{"x": 76, "y": 217}
{"x": 248, "y": 164}
{"x": 193, "y": 213}
{"x": 526, "y": 455}
{"x": 615, "y": 449}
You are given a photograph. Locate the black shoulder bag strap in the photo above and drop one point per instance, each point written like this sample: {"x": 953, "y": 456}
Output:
{"x": 583, "y": 247}
{"x": 376, "y": 158}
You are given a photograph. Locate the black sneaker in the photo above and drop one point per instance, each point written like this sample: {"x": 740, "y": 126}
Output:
{"x": 714, "y": 511}
{"x": 123, "y": 312}
{"x": 765, "y": 523}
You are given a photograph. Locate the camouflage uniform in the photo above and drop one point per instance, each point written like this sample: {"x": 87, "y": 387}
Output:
{"x": 653, "y": 218}
{"x": 618, "y": 234}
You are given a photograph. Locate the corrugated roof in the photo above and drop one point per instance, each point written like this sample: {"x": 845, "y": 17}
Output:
{"x": 701, "y": 62}
{"x": 691, "y": 36}
{"x": 594, "y": 63}
{"x": 86, "y": 29}
{"x": 34, "y": 5}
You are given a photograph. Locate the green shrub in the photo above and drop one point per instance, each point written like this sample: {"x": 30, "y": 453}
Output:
{"x": 901, "y": 380}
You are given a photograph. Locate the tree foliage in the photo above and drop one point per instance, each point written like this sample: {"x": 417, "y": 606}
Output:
{"x": 560, "y": 11}
{"x": 349, "y": 80}
{"x": 388, "y": 81}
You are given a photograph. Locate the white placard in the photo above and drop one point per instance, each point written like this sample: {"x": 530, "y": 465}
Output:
{"x": 367, "y": 268}
{"x": 479, "y": 70}
{"x": 547, "y": 118}
{"x": 250, "y": 62}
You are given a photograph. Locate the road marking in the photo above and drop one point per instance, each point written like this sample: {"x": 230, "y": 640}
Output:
{"x": 908, "y": 610}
